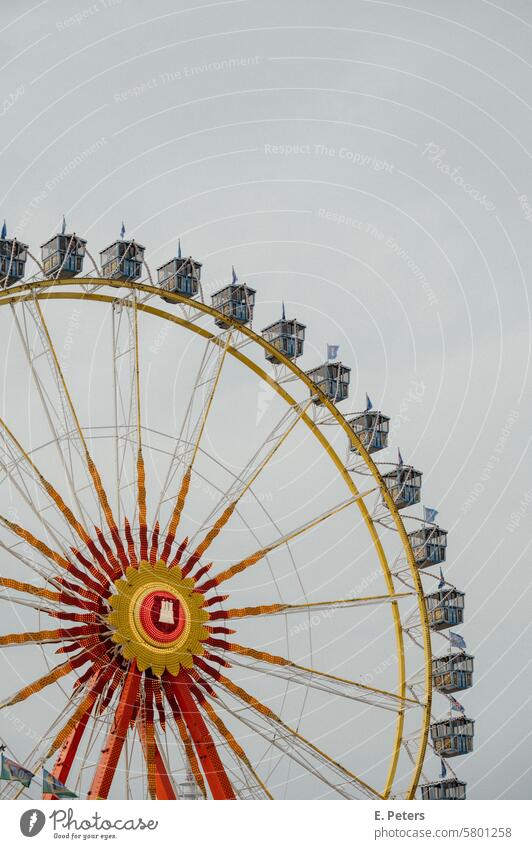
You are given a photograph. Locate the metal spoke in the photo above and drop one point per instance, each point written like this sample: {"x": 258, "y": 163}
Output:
{"x": 235, "y": 747}
{"x": 294, "y": 736}
{"x": 191, "y": 446}
{"x": 248, "y": 477}
{"x": 258, "y": 555}
{"x": 324, "y": 681}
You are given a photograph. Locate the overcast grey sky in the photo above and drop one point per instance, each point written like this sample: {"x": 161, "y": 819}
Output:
{"x": 367, "y": 162}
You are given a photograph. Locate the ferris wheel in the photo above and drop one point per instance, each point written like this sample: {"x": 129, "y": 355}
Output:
{"x": 212, "y": 587}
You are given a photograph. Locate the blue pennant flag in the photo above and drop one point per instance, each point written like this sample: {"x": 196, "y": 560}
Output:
{"x": 456, "y": 640}
{"x": 122, "y": 230}
{"x": 429, "y": 514}
{"x": 235, "y": 277}
{"x": 369, "y": 405}
{"x": 443, "y": 769}
{"x": 52, "y": 785}
{"x": 442, "y": 580}
{"x": 179, "y": 248}
{"x": 4, "y": 230}
{"x": 399, "y": 458}
{"x": 455, "y": 705}
{"x": 63, "y": 226}
{"x": 332, "y": 351}
{"x": 12, "y": 771}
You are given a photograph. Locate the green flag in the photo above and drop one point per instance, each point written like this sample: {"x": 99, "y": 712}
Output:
{"x": 52, "y": 785}
{"x": 12, "y": 771}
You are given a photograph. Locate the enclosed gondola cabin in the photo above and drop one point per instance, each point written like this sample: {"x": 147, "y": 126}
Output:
{"x": 404, "y": 485}
{"x": 122, "y": 260}
{"x": 286, "y": 336}
{"x": 452, "y": 672}
{"x": 429, "y": 544}
{"x": 333, "y": 380}
{"x": 372, "y": 429}
{"x": 181, "y": 275}
{"x": 453, "y": 736}
{"x": 446, "y": 788}
{"x": 445, "y": 608}
{"x": 13, "y": 256}
{"x": 62, "y": 256}
{"x": 236, "y": 302}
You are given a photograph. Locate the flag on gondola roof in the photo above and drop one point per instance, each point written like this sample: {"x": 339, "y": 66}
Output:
{"x": 443, "y": 769}
{"x": 442, "y": 580}
{"x": 4, "y": 230}
{"x": 284, "y": 313}
{"x": 332, "y": 351}
{"x": 179, "y": 248}
{"x": 234, "y": 276}
{"x": 12, "y": 771}
{"x": 122, "y": 230}
{"x": 399, "y": 458}
{"x": 429, "y": 514}
{"x": 52, "y": 785}
{"x": 457, "y": 640}
{"x": 455, "y": 704}
{"x": 369, "y": 405}
{"x": 63, "y": 226}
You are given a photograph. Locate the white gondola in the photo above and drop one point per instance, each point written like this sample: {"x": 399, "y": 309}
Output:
{"x": 372, "y": 428}
{"x": 429, "y": 544}
{"x": 333, "y": 380}
{"x": 446, "y": 788}
{"x": 63, "y": 255}
{"x": 452, "y": 672}
{"x": 180, "y": 275}
{"x": 122, "y": 260}
{"x": 236, "y": 301}
{"x": 445, "y": 608}
{"x": 404, "y": 485}
{"x": 453, "y": 736}
{"x": 13, "y": 256}
{"x": 287, "y": 336}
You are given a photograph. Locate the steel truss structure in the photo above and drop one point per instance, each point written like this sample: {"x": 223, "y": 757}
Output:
{"x": 152, "y": 672}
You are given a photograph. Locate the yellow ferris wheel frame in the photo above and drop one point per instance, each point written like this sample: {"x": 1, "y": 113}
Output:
{"x": 40, "y": 290}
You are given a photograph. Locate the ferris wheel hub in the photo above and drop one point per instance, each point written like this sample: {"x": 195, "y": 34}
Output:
{"x": 162, "y": 616}
{"x": 158, "y": 618}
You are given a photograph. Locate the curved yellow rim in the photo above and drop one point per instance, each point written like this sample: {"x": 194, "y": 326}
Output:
{"x": 39, "y": 290}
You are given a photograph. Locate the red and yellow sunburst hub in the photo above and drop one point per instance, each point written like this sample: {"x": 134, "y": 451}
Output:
{"x": 158, "y": 618}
